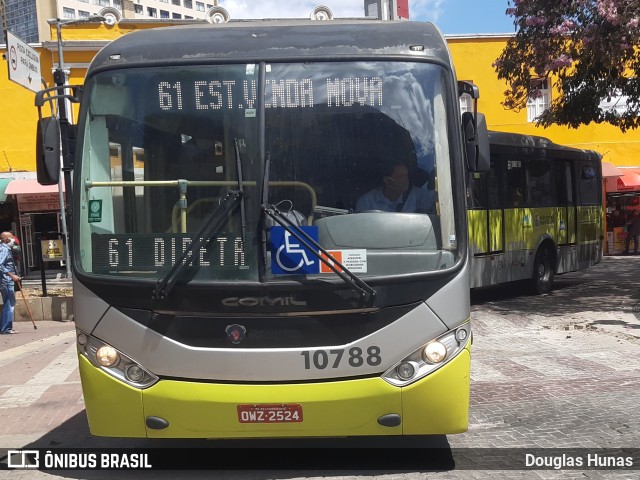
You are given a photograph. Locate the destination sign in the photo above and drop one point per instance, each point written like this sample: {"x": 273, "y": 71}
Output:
{"x": 157, "y": 253}
{"x": 220, "y": 94}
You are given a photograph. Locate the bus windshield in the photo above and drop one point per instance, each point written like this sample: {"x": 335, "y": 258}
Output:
{"x": 358, "y": 157}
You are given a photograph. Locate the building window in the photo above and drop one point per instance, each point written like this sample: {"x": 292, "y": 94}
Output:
{"x": 164, "y": 14}
{"x": 102, "y": 3}
{"x": 138, "y": 8}
{"x": 200, "y": 6}
{"x": 188, "y": 4}
{"x": 466, "y": 101}
{"x": 83, "y": 14}
{"x": 177, "y": 16}
{"x": 176, "y": 2}
{"x": 188, "y": 17}
{"x": 540, "y": 101}
{"x": 117, "y": 4}
{"x": 84, "y": 1}
{"x": 164, "y": 1}
{"x": 209, "y": 6}
{"x": 68, "y": 13}
{"x": 152, "y": 12}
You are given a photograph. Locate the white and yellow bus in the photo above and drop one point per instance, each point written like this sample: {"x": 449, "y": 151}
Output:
{"x": 224, "y": 283}
{"x": 536, "y": 213}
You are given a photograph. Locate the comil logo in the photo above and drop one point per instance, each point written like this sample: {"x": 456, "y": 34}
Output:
{"x": 23, "y": 459}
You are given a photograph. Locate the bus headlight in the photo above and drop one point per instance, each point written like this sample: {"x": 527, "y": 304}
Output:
{"x": 461, "y": 334}
{"x": 435, "y": 352}
{"x": 406, "y": 370}
{"x": 134, "y": 372}
{"x": 107, "y": 356}
{"x": 114, "y": 362}
{"x": 429, "y": 357}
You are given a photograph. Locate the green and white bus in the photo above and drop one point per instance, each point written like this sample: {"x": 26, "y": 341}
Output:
{"x": 536, "y": 213}
{"x": 224, "y": 283}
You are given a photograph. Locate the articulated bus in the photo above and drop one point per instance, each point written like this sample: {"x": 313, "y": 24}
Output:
{"x": 536, "y": 213}
{"x": 225, "y": 284}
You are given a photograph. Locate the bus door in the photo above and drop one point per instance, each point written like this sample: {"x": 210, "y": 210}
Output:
{"x": 486, "y": 227}
{"x": 589, "y": 212}
{"x": 486, "y": 217}
{"x": 517, "y": 218}
{"x": 565, "y": 191}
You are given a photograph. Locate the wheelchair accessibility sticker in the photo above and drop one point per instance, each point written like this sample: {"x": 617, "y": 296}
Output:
{"x": 289, "y": 256}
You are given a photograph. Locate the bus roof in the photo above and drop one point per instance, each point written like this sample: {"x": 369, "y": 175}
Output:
{"x": 507, "y": 140}
{"x": 259, "y": 40}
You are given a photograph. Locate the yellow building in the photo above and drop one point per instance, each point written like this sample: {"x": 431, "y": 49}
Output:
{"x": 473, "y": 56}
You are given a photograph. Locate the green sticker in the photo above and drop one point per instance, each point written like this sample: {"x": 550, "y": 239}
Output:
{"x": 95, "y": 211}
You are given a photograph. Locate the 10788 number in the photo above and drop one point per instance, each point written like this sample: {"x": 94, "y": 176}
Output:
{"x": 355, "y": 357}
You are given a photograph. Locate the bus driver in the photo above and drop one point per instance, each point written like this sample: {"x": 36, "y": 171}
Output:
{"x": 396, "y": 194}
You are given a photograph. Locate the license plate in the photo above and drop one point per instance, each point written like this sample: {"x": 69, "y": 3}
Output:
{"x": 270, "y": 413}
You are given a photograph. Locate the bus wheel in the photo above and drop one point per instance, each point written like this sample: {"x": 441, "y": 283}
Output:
{"x": 543, "y": 271}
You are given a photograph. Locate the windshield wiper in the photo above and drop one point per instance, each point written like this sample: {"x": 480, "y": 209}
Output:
{"x": 211, "y": 225}
{"x": 243, "y": 218}
{"x": 367, "y": 293}
{"x": 264, "y": 195}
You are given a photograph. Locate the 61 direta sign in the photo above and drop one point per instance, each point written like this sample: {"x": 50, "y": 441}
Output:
{"x": 23, "y": 62}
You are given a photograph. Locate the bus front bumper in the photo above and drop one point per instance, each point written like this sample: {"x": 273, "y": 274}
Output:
{"x": 436, "y": 404}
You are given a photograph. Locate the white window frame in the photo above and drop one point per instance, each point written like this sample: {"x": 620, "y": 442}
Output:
{"x": 535, "y": 106}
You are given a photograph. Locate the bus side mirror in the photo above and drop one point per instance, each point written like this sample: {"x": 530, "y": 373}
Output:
{"x": 476, "y": 142}
{"x": 48, "y": 151}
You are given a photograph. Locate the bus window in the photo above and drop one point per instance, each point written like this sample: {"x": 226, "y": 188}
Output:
{"x": 589, "y": 188}
{"x": 564, "y": 183}
{"x": 515, "y": 184}
{"x": 539, "y": 183}
{"x": 477, "y": 193}
{"x": 494, "y": 187}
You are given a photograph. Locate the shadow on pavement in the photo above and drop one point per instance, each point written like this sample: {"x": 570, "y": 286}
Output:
{"x": 254, "y": 459}
{"x": 611, "y": 285}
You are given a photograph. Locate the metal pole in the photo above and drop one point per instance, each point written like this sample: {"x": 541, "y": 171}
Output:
{"x": 61, "y": 80}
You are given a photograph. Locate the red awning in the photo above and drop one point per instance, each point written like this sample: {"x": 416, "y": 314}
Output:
{"x": 628, "y": 182}
{"x": 29, "y": 187}
{"x": 610, "y": 170}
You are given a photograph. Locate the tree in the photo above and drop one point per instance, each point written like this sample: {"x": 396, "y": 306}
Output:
{"x": 590, "y": 49}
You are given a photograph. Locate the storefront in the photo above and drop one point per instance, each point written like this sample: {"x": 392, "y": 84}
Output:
{"x": 38, "y": 215}
{"x": 622, "y": 190}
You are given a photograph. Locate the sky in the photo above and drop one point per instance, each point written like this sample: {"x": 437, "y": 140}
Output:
{"x": 452, "y": 16}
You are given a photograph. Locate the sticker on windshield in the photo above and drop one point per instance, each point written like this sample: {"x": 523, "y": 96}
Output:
{"x": 353, "y": 260}
{"x": 289, "y": 256}
{"x": 95, "y": 211}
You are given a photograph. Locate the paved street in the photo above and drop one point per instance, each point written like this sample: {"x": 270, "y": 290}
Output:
{"x": 554, "y": 371}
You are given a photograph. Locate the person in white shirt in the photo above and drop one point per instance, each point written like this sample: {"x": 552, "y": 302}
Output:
{"x": 396, "y": 194}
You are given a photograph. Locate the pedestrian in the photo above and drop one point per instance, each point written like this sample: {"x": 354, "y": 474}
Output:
{"x": 633, "y": 232}
{"x": 7, "y": 283}
{"x": 16, "y": 250}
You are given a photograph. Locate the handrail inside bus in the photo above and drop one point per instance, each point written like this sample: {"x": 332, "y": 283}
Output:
{"x": 182, "y": 184}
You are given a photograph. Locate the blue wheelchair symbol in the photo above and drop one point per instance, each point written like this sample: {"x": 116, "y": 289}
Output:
{"x": 289, "y": 256}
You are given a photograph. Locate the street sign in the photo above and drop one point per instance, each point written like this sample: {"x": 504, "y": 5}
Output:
{"x": 23, "y": 62}
{"x": 52, "y": 250}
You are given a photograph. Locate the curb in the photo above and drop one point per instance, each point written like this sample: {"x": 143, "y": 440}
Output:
{"x": 56, "y": 308}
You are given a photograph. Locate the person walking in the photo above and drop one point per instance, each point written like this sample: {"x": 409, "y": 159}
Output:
{"x": 633, "y": 232}
{"x": 7, "y": 283}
